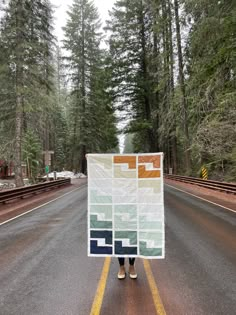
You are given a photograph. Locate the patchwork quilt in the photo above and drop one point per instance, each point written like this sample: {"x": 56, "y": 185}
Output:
{"x": 125, "y": 205}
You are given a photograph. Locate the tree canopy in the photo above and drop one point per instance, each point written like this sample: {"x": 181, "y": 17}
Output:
{"x": 167, "y": 76}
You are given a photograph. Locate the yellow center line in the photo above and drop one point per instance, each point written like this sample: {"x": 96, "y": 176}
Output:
{"x": 155, "y": 293}
{"x": 97, "y": 303}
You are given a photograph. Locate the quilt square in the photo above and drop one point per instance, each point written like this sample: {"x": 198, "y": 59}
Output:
{"x": 126, "y": 205}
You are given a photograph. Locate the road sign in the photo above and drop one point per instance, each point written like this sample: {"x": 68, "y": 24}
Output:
{"x": 204, "y": 173}
{"x": 46, "y": 169}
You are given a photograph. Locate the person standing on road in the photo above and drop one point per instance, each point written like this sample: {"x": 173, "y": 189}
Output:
{"x": 132, "y": 272}
{"x": 122, "y": 272}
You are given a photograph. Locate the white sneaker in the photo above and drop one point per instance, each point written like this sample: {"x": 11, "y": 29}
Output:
{"x": 132, "y": 272}
{"x": 121, "y": 273}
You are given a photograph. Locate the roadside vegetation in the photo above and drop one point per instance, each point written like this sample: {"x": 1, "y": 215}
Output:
{"x": 168, "y": 75}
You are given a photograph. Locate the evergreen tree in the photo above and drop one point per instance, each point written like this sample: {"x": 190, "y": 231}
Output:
{"x": 163, "y": 65}
{"x": 32, "y": 150}
{"x": 211, "y": 85}
{"x": 182, "y": 89}
{"x": 60, "y": 116}
{"x": 130, "y": 46}
{"x": 92, "y": 119}
{"x": 170, "y": 73}
{"x": 25, "y": 78}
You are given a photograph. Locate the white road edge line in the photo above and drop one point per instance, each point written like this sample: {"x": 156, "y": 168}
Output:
{"x": 20, "y": 215}
{"x": 216, "y": 204}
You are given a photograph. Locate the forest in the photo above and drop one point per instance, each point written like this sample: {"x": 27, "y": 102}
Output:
{"x": 166, "y": 81}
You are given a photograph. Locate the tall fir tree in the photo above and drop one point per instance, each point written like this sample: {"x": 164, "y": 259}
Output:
{"x": 170, "y": 73}
{"x": 211, "y": 69}
{"x": 130, "y": 46}
{"x": 26, "y": 42}
{"x": 91, "y": 110}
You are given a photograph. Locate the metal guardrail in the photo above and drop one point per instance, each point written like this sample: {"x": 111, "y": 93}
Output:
{"x": 8, "y": 195}
{"x": 211, "y": 184}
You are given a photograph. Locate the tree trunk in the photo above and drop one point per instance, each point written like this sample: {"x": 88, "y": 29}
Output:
{"x": 182, "y": 88}
{"x": 151, "y": 146}
{"x": 156, "y": 101}
{"x": 173, "y": 140}
{"x": 82, "y": 161}
{"x": 19, "y": 99}
{"x": 168, "y": 79}
{"x": 17, "y": 163}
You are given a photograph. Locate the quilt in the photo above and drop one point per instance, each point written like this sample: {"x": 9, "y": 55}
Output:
{"x": 126, "y": 205}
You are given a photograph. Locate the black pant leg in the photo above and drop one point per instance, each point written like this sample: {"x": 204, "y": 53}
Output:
{"x": 131, "y": 261}
{"x": 121, "y": 261}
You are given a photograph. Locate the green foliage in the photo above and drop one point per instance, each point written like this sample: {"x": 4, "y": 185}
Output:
{"x": 211, "y": 83}
{"x": 174, "y": 96}
{"x": 32, "y": 152}
{"x": 91, "y": 115}
{"x": 59, "y": 141}
{"x": 129, "y": 41}
{"x": 194, "y": 113}
{"x": 26, "y": 86}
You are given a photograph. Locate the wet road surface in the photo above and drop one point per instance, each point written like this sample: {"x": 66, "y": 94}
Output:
{"x": 44, "y": 268}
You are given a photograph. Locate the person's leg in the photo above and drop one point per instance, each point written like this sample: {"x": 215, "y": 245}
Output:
{"x": 121, "y": 273}
{"x": 132, "y": 271}
{"x": 121, "y": 261}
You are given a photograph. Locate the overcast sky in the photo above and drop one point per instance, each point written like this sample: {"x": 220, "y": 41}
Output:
{"x": 62, "y": 6}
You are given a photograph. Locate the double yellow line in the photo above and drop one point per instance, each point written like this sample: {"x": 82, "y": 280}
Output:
{"x": 97, "y": 303}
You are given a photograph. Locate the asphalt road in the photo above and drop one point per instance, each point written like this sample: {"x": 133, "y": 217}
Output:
{"x": 44, "y": 268}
